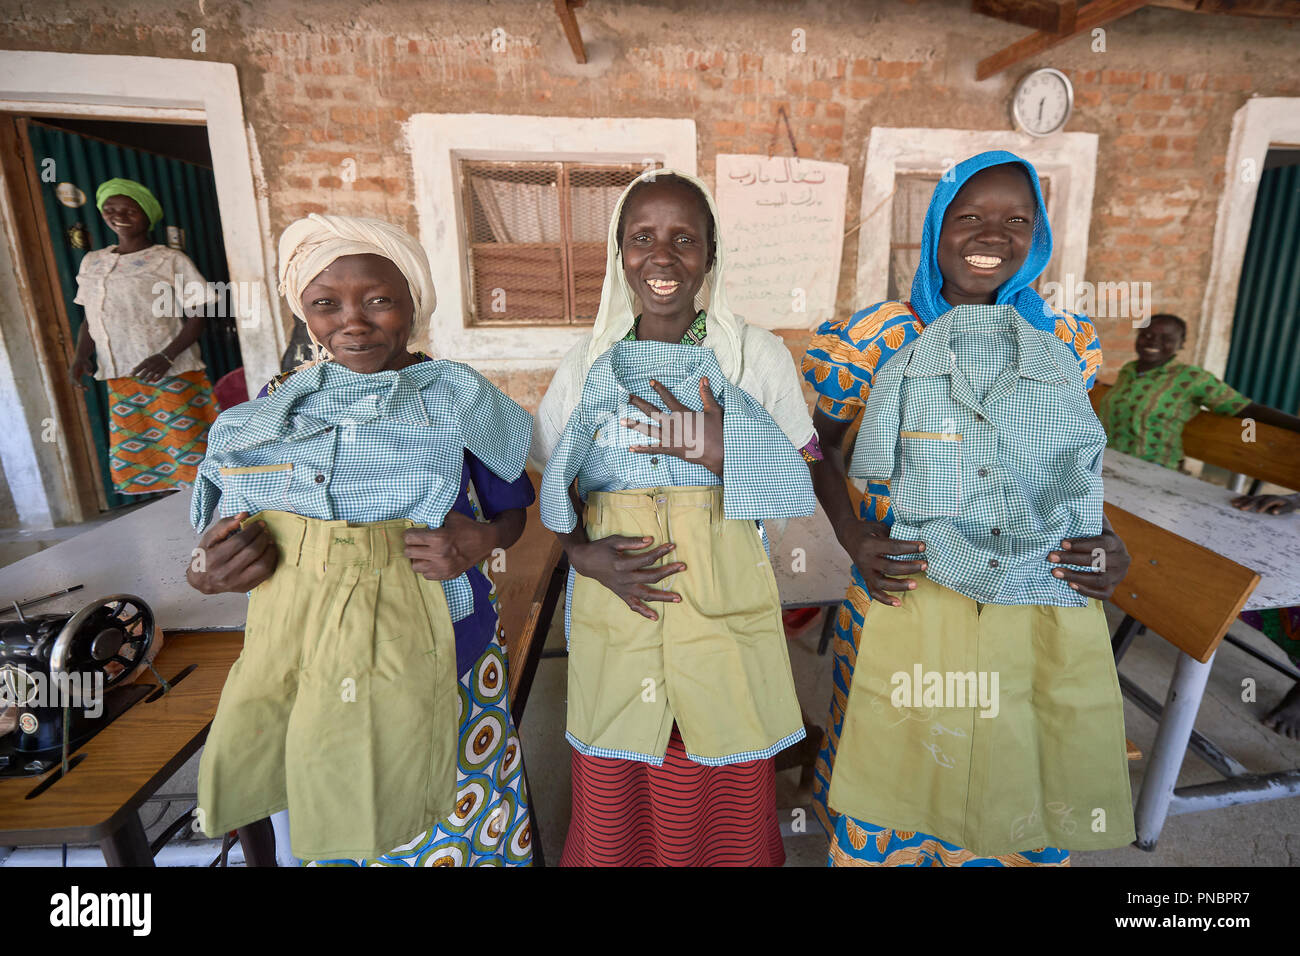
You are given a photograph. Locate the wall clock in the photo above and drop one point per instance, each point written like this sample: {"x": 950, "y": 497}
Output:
{"x": 1042, "y": 102}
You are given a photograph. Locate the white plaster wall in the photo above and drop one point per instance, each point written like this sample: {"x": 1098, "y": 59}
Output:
{"x": 439, "y": 140}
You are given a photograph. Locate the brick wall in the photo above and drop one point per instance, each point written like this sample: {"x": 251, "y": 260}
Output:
{"x": 339, "y": 87}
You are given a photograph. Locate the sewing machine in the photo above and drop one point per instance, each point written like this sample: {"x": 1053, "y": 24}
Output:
{"x": 64, "y": 677}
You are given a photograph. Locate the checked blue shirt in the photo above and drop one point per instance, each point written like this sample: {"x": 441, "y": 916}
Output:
{"x": 993, "y": 453}
{"x": 764, "y": 476}
{"x": 334, "y": 444}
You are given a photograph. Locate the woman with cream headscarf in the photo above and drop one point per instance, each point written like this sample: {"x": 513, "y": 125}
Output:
{"x": 673, "y": 720}
{"x": 160, "y": 402}
{"x": 370, "y": 699}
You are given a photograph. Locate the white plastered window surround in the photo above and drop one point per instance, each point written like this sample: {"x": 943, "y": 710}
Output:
{"x": 148, "y": 90}
{"x": 438, "y": 141}
{"x": 1263, "y": 122}
{"x": 1068, "y": 160}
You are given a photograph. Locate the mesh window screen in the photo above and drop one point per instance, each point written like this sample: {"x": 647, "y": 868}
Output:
{"x": 911, "y": 199}
{"x": 535, "y": 236}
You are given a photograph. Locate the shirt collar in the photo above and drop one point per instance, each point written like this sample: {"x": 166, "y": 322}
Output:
{"x": 394, "y": 396}
{"x": 604, "y": 390}
{"x": 933, "y": 353}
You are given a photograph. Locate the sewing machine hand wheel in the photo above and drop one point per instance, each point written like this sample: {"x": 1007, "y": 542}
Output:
{"x": 99, "y": 635}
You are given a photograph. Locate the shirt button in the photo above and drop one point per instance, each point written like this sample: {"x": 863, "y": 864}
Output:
{"x": 979, "y": 418}
{"x": 997, "y": 530}
{"x": 983, "y": 472}
{"x": 329, "y": 428}
{"x": 319, "y": 479}
{"x": 993, "y": 562}
{"x": 654, "y": 460}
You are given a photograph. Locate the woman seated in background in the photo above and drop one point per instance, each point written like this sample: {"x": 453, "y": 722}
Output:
{"x": 370, "y": 697}
{"x": 1144, "y": 414}
{"x": 1154, "y": 397}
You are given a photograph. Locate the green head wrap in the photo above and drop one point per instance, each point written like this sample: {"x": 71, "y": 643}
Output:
{"x": 131, "y": 190}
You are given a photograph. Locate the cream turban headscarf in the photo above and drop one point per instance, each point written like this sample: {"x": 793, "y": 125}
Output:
{"x": 309, "y": 245}
{"x": 750, "y": 357}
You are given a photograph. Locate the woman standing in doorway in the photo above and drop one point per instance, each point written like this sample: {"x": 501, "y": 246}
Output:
{"x": 144, "y": 314}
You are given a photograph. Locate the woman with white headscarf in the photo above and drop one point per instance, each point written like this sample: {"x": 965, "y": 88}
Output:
{"x": 674, "y": 715}
{"x": 370, "y": 699}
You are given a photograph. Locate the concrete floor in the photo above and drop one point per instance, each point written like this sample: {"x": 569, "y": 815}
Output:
{"x": 1263, "y": 834}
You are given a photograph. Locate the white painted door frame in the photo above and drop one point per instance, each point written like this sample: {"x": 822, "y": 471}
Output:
{"x": 145, "y": 89}
{"x": 1262, "y": 122}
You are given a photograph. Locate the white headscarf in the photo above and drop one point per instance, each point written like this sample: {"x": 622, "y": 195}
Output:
{"x": 750, "y": 357}
{"x": 619, "y": 305}
{"x": 309, "y": 245}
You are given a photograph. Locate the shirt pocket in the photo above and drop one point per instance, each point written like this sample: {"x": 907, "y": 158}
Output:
{"x": 255, "y": 488}
{"x": 930, "y": 481}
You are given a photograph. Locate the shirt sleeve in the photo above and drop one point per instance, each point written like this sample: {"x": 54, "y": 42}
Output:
{"x": 876, "y": 447}
{"x": 196, "y": 290}
{"x": 1216, "y": 395}
{"x": 561, "y": 468}
{"x": 495, "y": 429}
{"x": 763, "y": 475}
{"x": 207, "y": 481}
{"x": 496, "y": 495}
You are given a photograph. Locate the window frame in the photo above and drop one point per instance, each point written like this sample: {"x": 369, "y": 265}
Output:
{"x": 438, "y": 141}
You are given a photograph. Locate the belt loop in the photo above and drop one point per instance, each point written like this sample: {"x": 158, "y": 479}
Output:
{"x": 379, "y": 547}
{"x": 716, "y": 504}
{"x": 300, "y": 532}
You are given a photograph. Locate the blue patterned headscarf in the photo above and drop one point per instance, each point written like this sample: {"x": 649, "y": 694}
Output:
{"x": 927, "y": 301}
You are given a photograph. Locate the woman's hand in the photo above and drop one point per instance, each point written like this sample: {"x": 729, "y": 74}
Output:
{"x": 442, "y": 554}
{"x": 692, "y": 436}
{"x": 1105, "y": 553}
{"x": 230, "y": 558}
{"x": 78, "y": 371}
{"x": 623, "y": 565}
{"x": 868, "y": 544}
{"x": 152, "y": 369}
{"x": 1267, "y": 504}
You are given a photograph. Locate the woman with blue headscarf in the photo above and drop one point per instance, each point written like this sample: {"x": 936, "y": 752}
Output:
{"x": 970, "y": 553}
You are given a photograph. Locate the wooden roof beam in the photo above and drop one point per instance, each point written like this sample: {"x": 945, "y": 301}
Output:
{"x": 1279, "y": 9}
{"x": 1051, "y": 16}
{"x": 564, "y": 10}
{"x": 1095, "y": 14}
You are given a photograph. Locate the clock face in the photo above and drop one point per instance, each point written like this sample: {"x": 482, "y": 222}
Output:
{"x": 1042, "y": 102}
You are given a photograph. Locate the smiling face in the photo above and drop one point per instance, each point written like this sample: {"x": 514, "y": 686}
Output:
{"x": 359, "y": 308}
{"x": 1158, "y": 342}
{"x": 666, "y": 246}
{"x": 987, "y": 231}
{"x": 124, "y": 216}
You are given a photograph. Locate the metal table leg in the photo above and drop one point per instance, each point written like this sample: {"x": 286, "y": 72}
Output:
{"x": 1181, "y": 705}
{"x": 127, "y": 846}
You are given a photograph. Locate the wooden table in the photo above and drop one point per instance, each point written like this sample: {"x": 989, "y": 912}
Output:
{"x": 113, "y": 774}
{"x": 1267, "y": 544}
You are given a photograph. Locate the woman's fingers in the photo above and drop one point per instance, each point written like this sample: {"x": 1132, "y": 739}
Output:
{"x": 635, "y": 562}
{"x": 649, "y": 429}
{"x": 651, "y": 575}
{"x": 650, "y": 594}
{"x": 904, "y": 567}
{"x": 642, "y": 406}
{"x": 624, "y": 543}
{"x": 706, "y": 396}
{"x": 670, "y": 400}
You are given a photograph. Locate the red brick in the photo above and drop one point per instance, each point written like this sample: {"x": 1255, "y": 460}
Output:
{"x": 862, "y": 91}
{"x": 1152, "y": 101}
{"x": 861, "y": 68}
{"x": 1121, "y": 77}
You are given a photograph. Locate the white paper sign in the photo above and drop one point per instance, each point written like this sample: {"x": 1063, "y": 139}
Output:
{"x": 783, "y": 232}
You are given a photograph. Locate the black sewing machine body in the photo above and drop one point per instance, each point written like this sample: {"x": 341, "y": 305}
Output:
{"x": 66, "y": 677}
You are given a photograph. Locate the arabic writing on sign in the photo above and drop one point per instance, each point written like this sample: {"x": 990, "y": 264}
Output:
{"x": 782, "y": 228}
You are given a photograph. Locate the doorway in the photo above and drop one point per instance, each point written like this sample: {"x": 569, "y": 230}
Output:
{"x": 66, "y": 159}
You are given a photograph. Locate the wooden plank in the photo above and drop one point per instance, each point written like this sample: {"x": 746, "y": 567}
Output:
{"x": 1185, "y": 593}
{"x": 1053, "y": 16}
{"x": 131, "y": 757}
{"x": 1273, "y": 456}
{"x": 564, "y": 10}
{"x": 523, "y": 587}
{"x": 1279, "y": 9}
{"x": 1095, "y": 14}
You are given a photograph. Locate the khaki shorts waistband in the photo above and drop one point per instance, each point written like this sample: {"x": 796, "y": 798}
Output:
{"x": 372, "y": 544}
{"x": 705, "y": 497}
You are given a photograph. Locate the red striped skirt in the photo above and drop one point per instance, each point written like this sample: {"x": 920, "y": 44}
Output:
{"x": 628, "y": 813}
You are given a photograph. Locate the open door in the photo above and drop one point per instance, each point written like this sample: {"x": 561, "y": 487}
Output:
{"x": 67, "y": 165}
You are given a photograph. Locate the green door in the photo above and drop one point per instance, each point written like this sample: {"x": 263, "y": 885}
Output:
{"x": 1266, "y": 327}
{"x": 188, "y": 195}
